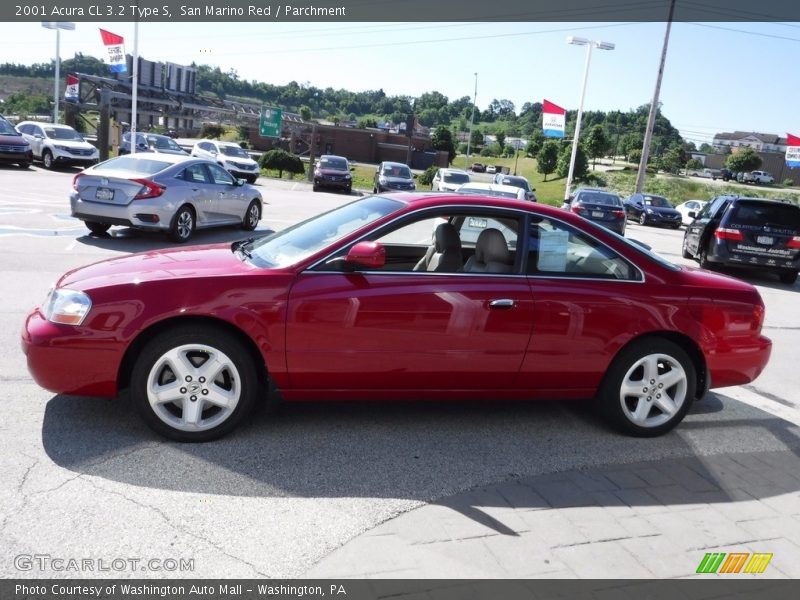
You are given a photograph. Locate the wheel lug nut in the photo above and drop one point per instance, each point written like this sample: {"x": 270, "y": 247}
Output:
{"x": 183, "y": 390}
{"x": 205, "y": 392}
{"x": 658, "y": 395}
{"x": 188, "y": 378}
{"x": 660, "y": 385}
{"x": 644, "y": 390}
{"x": 193, "y": 398}
{"x": 652, "y": 381}
{"x": 202, "y": 380}
{"x": 649, "y": 398}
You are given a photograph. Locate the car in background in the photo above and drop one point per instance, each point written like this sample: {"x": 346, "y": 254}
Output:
{"x": 603, "y": 208}
{"x": 726, "y": 174}
{"x": 478, "y": 168}
{"x": 165, "y": 193}
{"x": 151, "y": 142}
{"x": 393, "y": 176}
{"x": 649, "y": 209}
{"x": 758, "y": 177}
{"x": 58, "y": 145}
{"x": 746, "y": 232}
{"x": 687, "y": 207}
{"x": 14, "y": 148}
{"x": 332, "y": 171}
{"x": 517, "y": 181}
{"x": 338, "y": 308}
{"x": 447, "y": 180}
{"x": 492, "y": 189}
{"x": 231, "y": 157}
{"x": 491, "y": 169}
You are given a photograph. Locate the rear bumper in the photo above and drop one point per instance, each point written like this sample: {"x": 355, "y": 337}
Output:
{"x": 738, "y": 362}
{"x": 126, "y": 215}
{"x": 719, "y": 253}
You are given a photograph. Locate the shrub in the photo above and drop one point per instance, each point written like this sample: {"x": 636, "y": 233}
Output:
{"x": 788, "y": 182}
{"x": 426, "y": 178}
{"x": 595, "y": 179}
{"x": 488, "y": 151}
{"x": 280, "y": 160}
{"x": 212, "y": 131}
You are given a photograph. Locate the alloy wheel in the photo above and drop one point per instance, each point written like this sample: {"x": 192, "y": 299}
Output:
{"x": 653, "y": 390}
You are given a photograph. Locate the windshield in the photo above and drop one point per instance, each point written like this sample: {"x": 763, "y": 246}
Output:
{"x": 396, "y": 171}
{"x": 134, "y": 164}
{"x": 62, "y": 133}
{"x": 657, "y": 201}
{"x": 339, "y": 164}
{"x": 235, "y": 151}
{"x": 7, "y": 128}
{"x": 164, "y": 143}
{"x": 456, "y": 178}
{"x": 599, "y": 198}
{"x": 297, "y": 243}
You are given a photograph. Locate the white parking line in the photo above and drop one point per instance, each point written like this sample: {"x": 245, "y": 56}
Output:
{"x": 760, "y": 402}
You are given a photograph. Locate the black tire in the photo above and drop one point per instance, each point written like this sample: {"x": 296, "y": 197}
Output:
{"x": 98, "y": 228}
{"x": 251, "y": 179}
{"x": 24, "y": 165}
{"x": 348, "y": 190}
{"x": 788, "y": 277}
{"x": 684, "y": 251}
{"x": 374, "y": 190}
{"x": 239, "y": 379}
{"x": 315, "y": 188}
{"x": 252, "y": 216}
{"x": 183, "y": 224}
{"x": 643, "y": 219}
{"x": 47, "y": 160}
{"x": 667, "y": 358}
{"x": 702, "y": 258}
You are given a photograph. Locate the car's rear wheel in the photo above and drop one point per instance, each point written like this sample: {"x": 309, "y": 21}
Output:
{"x": 96, "y": 227}
{"x": 685, "y": 250}
{"x": 24, "y": 165}
{"x": 182, "y": 225}
{"x": 47, "y": 159}
{"x": 702, "y": 258}
{"x": 643, "y": 219}
{"x": 252, "y": 216}
{"x": 788, "y": 277}
{"x": 194, "y": 384}
{"x": 649, "y": 387}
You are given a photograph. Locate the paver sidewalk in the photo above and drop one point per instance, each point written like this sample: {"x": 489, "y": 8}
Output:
{"x": 644, "y": 520}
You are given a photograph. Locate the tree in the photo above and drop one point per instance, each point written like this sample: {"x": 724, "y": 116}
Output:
{"x": 280, "y": 160}
{"x": 744, "y": 159}
{"x": 694, "y": 164}
{"x": 442, "y": 139}
{"x": 305, "y": 113}
{"x": 547, "y": 158}
{"x": 596, "y": 143}
{"x": 212, "y": 131}
{"x": 672, "y": 160}
{"x": 367, "y": 122}
{"x": 476, "y": 140}
{"x": 581, "y": 163}
{"x": 535, "y": 142}
{"x": 500, "y": 137}
{"x": 704, "y": 147}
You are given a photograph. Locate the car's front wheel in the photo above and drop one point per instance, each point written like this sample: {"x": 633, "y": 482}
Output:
{"x": 685, "y": 250}
{"x": 649, "y": 387}
{"x": 252, "y": 216}
{"x": 194, "y": 384}
{"x": 643, "y": 219}
{"x": 47, "y": 159}
{"x": 182, "y": 225}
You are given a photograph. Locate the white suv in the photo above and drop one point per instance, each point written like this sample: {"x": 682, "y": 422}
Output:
{"x": 231, "y": 157}
{"x": 58, "y": 144}
{"x": 448, "y": 180}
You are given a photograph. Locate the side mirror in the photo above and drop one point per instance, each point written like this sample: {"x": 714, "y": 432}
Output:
{"x": 240, "y": 182}
{"x": 371, "y": 255}
{"x": 692, "y": 214}
{"x": 352, "y": 168}
{"x": 533, "y": 189}
{"x": 213, "y": 153}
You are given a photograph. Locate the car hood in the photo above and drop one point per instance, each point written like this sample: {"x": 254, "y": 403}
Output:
{"x": 663, "y": 210}
{"x": 396, "y": 179}
{"x": 71, "y": 144}
{"x": 333, "y": 172}
{"x": 183, "y": 263}
{"x": 13, "y": 140}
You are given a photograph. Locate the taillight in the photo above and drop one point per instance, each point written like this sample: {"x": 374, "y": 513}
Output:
{"x": 758, "y": 318}
{"x": 733, "y": 235}
{"x": 618, "y": 213}
{"x": 794, "y": 242}
{"x": 75, "y": 181}
{"x": 578, "y": 210}
{"x": 149, "y": 189}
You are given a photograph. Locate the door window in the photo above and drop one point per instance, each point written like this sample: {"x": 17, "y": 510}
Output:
{"x": 219, "y": 175}
{"x": 195, "y": 174}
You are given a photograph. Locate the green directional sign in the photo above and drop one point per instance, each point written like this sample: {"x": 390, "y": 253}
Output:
{"x": 270, "y": 122}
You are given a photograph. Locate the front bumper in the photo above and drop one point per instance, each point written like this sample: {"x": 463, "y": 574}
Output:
{"x": 656, "y": 219}
{"x": 16, "y": 157}
{"x": 339, "y": 184}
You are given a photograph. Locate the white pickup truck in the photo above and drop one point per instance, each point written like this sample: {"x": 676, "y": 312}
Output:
{"x": 758, "y": 177}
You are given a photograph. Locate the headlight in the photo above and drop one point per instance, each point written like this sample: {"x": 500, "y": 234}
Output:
{"x": 348, "y": 176}
{"x": 382, "y": 180}
{"x": 68, "y": 307}
{"x": 413, "y": 186}
{"x": 61, "y": 147}
{"x": 649, "y": 211}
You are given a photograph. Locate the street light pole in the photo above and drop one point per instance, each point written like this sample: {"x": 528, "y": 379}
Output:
{"x": 575, "y": 138}
{"x": 471, "y": 121}
{"x": 58, "y": 26}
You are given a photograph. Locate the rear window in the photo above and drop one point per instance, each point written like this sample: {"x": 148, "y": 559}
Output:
{"x": 456, "y": 177}
{"x": 144, "y": 166}
{"x": 599, "y": 198}
{"x": 757, "y": 215}
{"x": 516, "y": 182}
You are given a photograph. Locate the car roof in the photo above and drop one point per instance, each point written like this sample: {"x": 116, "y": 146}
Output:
{"x": 389, "y": 163}
{"x": 449, "y": 170}
{"x": 163, "y": 157}
{"x": 333, "y": 156}
{"x": 479, "y": 185}
{"x": 45, "y": 124}
{"x": 763, "y": 200}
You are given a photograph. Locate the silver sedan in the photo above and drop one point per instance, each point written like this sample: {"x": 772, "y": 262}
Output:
{"x": 167, "y": 193}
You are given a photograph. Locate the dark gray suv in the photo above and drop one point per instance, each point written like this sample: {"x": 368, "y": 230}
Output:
{"x": 393, "y": 177}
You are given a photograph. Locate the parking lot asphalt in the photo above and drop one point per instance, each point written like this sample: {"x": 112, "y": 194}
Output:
{"x": 385, "y": 490}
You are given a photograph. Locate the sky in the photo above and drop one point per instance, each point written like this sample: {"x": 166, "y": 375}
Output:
{"x": 718, "y": 76}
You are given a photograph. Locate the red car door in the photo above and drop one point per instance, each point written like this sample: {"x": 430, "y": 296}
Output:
{"x": 398, "y": 331}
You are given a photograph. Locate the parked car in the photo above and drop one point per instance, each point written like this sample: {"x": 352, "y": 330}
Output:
{"x": 14, "y": 149}
{"x": 727, "y": 175}
{"x": 393, "y": 176}
{"x": 492, "y": 189}
{"x": 746, "y": 232}
{"x": 151, "y": 142}
{"x": 478, "y": 168}
{"x": 516, "y": 181}
{"x": 491, "y": 169}
{"x": 758, "y": 177}
{"x": 332, "y": 171}
{"x": 447, "y": 180}
{"x": 165, "y": 192}
{"x": 346, "y": 306}
{"x": 604, "y": 208}
{"x": 649, "y": 209}
{"x": 687, "y": 207}
{"x": 231, "y": 157}
{"x": 58, "y": 145}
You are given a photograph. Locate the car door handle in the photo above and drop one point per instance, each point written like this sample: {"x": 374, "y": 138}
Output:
{"x": 502, "y": 304}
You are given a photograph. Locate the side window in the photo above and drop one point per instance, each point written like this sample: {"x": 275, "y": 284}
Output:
{"x": 220, "y": 175}
{"x": 25, "y": 129}
{"x": 195, "y": 174}
{"x": 556, "y": 249}
{"x": 37, "y": 130}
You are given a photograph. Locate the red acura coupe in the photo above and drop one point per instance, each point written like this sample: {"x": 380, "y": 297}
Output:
{"x": 400, "y": 296}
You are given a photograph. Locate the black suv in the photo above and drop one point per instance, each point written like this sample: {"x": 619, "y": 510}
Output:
{"x": 746, "y": 232}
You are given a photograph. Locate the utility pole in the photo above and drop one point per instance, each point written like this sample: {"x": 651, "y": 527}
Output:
{"x": 651, "y": 119}
{"x": 471, "y": 122}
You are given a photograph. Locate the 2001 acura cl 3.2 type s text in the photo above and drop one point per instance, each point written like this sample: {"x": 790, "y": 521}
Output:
{"x": 400, "y": 296}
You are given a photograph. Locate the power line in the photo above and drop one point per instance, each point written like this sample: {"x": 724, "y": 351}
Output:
{"x": 766, "y": 35}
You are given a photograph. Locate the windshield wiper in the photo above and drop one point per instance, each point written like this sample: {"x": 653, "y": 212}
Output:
{"x": 241, "y": 247}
